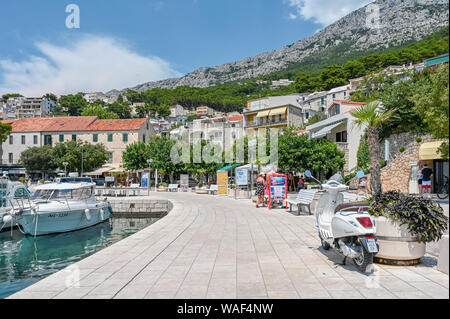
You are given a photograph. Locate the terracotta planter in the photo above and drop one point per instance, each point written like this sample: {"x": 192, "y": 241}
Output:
{"x": 397, "y": 245}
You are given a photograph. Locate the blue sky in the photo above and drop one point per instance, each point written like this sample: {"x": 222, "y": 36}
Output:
{"x": 123, "y": 43}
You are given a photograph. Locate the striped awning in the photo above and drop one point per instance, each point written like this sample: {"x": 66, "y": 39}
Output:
{"x": 429, "y": 151}
{"x": 263, "y": 113}
{"x": 326, "y": 130}
{"x": 281, "y": 110}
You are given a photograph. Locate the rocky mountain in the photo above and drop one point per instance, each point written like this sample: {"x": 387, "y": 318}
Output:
{"x": 399, "y": 21}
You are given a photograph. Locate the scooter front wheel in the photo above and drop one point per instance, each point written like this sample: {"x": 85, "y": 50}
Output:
{"x": 325, "y": 245}
{"x": 363, "y": 260}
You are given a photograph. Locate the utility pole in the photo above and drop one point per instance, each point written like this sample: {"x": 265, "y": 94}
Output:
{"x": 149, "y": 161}
{"x": 82, "y": 160}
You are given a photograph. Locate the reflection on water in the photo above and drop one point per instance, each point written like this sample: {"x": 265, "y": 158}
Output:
{"x": 24, "y": 260}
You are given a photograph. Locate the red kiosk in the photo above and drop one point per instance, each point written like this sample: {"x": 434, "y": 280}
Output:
{"x": 277, "y": 188}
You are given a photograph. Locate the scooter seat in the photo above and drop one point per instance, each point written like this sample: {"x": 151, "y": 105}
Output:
{"x": 354, "y": 206}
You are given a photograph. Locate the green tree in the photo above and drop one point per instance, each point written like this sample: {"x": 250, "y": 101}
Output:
{"x": 333, "y": 76}
{"x": 38, "y": 159}
{"x": 135, "y": 156}
{"x": 73, "y": 104}
{"x": 369, "y": 115}
{"x": 98, "y": 110}
{"x": 5, "y": 131}
{"x": 354, "y": 69}
{"x": 304, "y": 83}
{"x": 431, "y": 101}
{"x": 51, "y": 96}
{"x": 72, "y": 152}
{"x": 123, "y": 110}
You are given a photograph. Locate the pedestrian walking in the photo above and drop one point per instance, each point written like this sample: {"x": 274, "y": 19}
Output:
{"x": 426, "y": 174}
{"x": 260, "y": 185}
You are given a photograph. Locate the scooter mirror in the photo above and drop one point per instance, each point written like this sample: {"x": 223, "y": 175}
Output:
{"x": 360, "y": 174}
{"x": 308, "y": 173}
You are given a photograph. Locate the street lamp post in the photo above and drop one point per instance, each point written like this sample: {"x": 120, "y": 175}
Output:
{"x": 65, "y": 168}
{"x": 82, "y": 160}
{"x": 149, "y": 161}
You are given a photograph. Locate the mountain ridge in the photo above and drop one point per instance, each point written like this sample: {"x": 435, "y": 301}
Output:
{"x": 400, "y": 21}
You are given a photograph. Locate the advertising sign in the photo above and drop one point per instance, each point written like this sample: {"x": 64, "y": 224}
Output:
{"x": 144, "y": 180}
{"x": 241, "y": 177}
{"x": 277, "y": 188}
{"x": 184, "y": 180}
{"x": 109, "y": 179}
{"x": 222, "y": 182}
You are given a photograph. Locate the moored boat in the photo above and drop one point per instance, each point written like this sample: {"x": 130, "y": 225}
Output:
{"x": 63, "y": 207}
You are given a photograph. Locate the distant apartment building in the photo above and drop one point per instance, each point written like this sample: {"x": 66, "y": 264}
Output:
{"x": 31, "y": 107}
{"x": 114, "y": 134}
{"x": 223, "y": 130}
{"x": 338, "y": 93}
{"x": 281, "y": 82}
{"x": 274, "y": 112}
{"x": 205, "y": 111}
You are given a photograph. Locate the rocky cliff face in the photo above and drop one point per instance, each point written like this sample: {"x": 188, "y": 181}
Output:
{"x": 399, "y": 21}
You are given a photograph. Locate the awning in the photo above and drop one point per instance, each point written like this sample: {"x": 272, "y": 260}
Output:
{"x": 429, "y": 151}
{"x": 226, "y": 168}
{"x": 326, "y": 130}
{"x": 263, "y": 113}
{"x": 281, "y": 110}
{"x": 99, "y": 171}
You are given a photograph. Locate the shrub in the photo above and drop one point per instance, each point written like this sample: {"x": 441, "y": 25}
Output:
{"x": 402, "y": 149}
{"x": 424, "y": 218}
{"x": 383, "y": 163}
{"x": 22, "y": 180}
{"x": 163, "y": 184}
{"x": 419, "y": 139}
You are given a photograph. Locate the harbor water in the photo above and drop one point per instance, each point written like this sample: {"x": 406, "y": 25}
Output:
{"x": 25, "y": 260}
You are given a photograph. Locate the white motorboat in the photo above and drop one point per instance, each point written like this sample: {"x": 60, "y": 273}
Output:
{"x": 14, "y": 197}
{"x": 63, "y": 207}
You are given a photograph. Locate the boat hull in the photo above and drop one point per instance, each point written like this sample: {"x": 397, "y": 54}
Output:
{"x": 44, "y": 223}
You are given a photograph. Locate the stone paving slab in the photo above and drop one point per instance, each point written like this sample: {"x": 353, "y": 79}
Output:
{"x": 217, "y": 247}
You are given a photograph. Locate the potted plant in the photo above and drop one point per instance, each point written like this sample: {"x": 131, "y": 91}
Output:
{"x": 405, "y": 223}
{"x": 162, "y": 187}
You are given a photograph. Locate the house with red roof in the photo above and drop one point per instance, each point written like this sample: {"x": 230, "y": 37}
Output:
{"x": 115, "y": 134}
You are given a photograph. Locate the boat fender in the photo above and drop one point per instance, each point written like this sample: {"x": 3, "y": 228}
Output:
{"x": 7, "y": 219}
{"x": 101, "y": 214}
{"x": 87, "y": 213}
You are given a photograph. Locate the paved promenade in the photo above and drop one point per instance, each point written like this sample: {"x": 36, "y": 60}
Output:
{"x": 215, "y": 247}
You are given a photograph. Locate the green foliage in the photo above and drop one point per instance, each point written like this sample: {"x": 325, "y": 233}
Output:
{"x": 333, "y": 76}
{"x": 100, "y": 111}
{"x": 383, "y": 163}
{"x": 5, "y": 131}
{"x": 51, "y": 96}
{"x": 402, "y": 149}
{"x": 135, "y": 156}
{"x": 73, "y": 104}
{"x": 297, "y": 153}
{"x": 363, "y": 155}
{"x": 5, "y": 97}
{"x": 38, "y": 159}
{"x": 424, "y": 218}
{"x": 94, "y": 156}
{"x": 431, "y": 102}
{"x": 318, "y": 117}
{"x": 419, "y": 140}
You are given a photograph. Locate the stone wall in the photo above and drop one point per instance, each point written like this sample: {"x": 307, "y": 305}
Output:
{"x": 398, "y": 140}
{"x": 395, "y": 176}
{"x": 141, "y": 207}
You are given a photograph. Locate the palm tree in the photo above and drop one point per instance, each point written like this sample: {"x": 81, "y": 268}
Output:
{"x": 373, "y": 117}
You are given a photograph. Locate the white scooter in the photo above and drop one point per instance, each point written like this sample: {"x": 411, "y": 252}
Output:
{"x": 347, "y": 227}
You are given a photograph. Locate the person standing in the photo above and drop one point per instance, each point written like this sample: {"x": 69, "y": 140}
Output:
{"x": 426, "y": 174}
{"x": 260, "y": 190}
{"x": 301, "y": 183}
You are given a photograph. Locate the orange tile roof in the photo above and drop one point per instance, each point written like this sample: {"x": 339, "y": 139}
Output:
{"x": 350, "y": 102}
{"x": 117, "y": 125}
{"x": 235, "y": 118}
{"x": 73, "y": 124}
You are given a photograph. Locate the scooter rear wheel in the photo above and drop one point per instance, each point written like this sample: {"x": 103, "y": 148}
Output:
{"x": 363, "y": 260}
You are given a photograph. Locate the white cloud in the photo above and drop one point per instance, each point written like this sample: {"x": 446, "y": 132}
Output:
{"x": 92, "y": 63}
{"x": 325, "y": 12}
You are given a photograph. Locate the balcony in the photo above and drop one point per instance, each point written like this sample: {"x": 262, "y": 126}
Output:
{"x": 265, "y": 123}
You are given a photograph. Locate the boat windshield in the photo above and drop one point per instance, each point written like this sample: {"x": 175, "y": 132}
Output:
{"x": 63, "y": 194}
